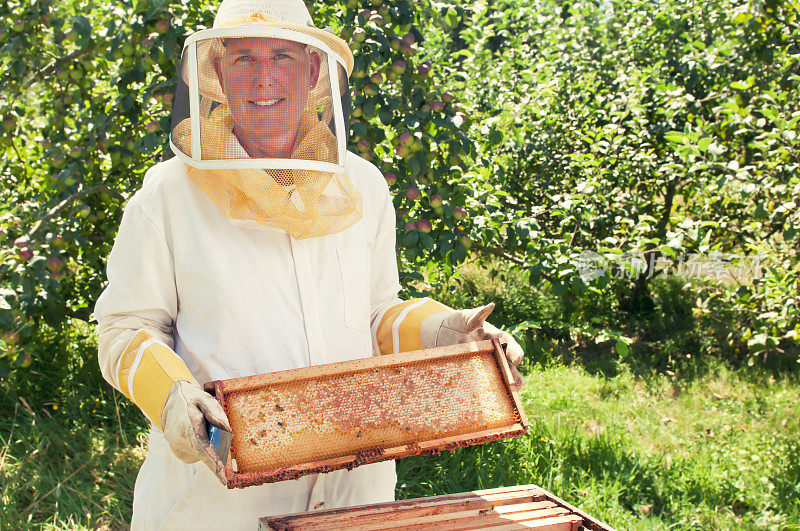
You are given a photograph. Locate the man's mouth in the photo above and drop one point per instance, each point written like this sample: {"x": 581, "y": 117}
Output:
{"x": 266, "y": 103}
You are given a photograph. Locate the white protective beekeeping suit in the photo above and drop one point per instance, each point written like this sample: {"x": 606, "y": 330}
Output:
{"x": 263, "y": 246}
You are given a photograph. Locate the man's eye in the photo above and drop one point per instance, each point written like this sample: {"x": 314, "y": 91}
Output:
{"x": 282, "y": 56}
{"x": 243, "y": 59}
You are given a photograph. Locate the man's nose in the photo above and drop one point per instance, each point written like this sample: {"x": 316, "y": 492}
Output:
{"x": 264, "y": 74}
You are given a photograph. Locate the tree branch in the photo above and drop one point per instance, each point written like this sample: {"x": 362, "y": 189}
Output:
{"x": 67, "y": 202}
{"x": 506, "y": 256}
{"x": 67, "y": 59}
{"x": 81, "y": 314}
{"x": 498, "y": 252}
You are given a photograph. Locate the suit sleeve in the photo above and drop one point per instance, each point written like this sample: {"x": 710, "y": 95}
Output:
{"x": 395, "y": 323}
{"x": 136, "y": 313}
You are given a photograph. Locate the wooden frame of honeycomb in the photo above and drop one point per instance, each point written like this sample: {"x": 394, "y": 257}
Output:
{"x": 341, "y": 415}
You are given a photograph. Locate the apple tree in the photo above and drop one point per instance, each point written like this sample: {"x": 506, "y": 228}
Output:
{"x": 85, "y": 99}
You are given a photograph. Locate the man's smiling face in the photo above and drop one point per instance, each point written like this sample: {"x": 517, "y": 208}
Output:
{"x": 266, "y": 82}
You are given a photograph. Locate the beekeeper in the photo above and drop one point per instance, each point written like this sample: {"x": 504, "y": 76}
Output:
{"x": 263, "y": 245}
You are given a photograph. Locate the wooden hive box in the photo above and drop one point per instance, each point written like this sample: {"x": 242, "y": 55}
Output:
{"x": 340, "y": 415}
{"x": 506, "y": 508}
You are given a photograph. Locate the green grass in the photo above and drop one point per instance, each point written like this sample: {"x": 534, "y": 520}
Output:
{"x": 66, "y": 476}
{"x": 70, "y": 446}
{"x": 713, "y": 455}
{"x": 655, "y": 440}
{"x": 657, "y": 454}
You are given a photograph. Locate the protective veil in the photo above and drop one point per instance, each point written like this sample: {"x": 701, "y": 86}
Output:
{"x": 260, "y": 118}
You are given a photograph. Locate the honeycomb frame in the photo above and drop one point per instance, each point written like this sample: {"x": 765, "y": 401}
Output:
{"x": 317, "y": 419}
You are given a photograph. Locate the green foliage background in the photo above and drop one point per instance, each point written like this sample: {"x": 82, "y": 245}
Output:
{"x": 515, "y": 134}
{"x": 630, "y": 129}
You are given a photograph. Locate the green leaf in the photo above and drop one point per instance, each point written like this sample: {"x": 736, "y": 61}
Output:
{"x": 675, "y": 136}
{"x": 621, "y": 347}
{"x": 82, "y": 26}
{"x": 495, "y": 137}
{"x": 413, "y": 167}
{"x": 452, "y": 18}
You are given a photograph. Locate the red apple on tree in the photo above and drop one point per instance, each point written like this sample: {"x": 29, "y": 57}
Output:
{"x": 363, "y": 145}
{"x": 11, "y": 337}
{"x": 460, "y": 213}
{"x": 408, "y": 49}
{"x": 54, "y": 264}
{"x": 424, "y": 225}
{"x": 391, "y": 178}
{"x": 162, "y": 26}
{"x": 359, "y": 35}
{"x": 412, "y": 193}
{"x": 58, "y": 241}
{"x": 424, "y": 69}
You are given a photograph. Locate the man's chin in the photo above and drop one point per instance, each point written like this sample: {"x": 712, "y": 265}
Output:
{"x": 264, "y": 137}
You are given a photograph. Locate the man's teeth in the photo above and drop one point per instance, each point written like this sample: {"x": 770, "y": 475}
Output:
{"x": 266, "y": 102}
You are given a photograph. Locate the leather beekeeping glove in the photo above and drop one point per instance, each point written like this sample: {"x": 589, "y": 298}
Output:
{"x": 184, "y": 418}
{"x": 462, "y": 326}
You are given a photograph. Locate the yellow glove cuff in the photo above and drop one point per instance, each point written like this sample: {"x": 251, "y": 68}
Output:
{"x": 399, "y": 327}
{"x": 147, "y": 371}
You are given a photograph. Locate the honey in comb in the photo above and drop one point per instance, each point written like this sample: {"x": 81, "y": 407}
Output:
{"x": 294, "y": 422}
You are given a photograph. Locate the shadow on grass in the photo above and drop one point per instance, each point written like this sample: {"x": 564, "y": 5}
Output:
{"x": 68, "y": 465}
{"x": 787, "y": 477}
